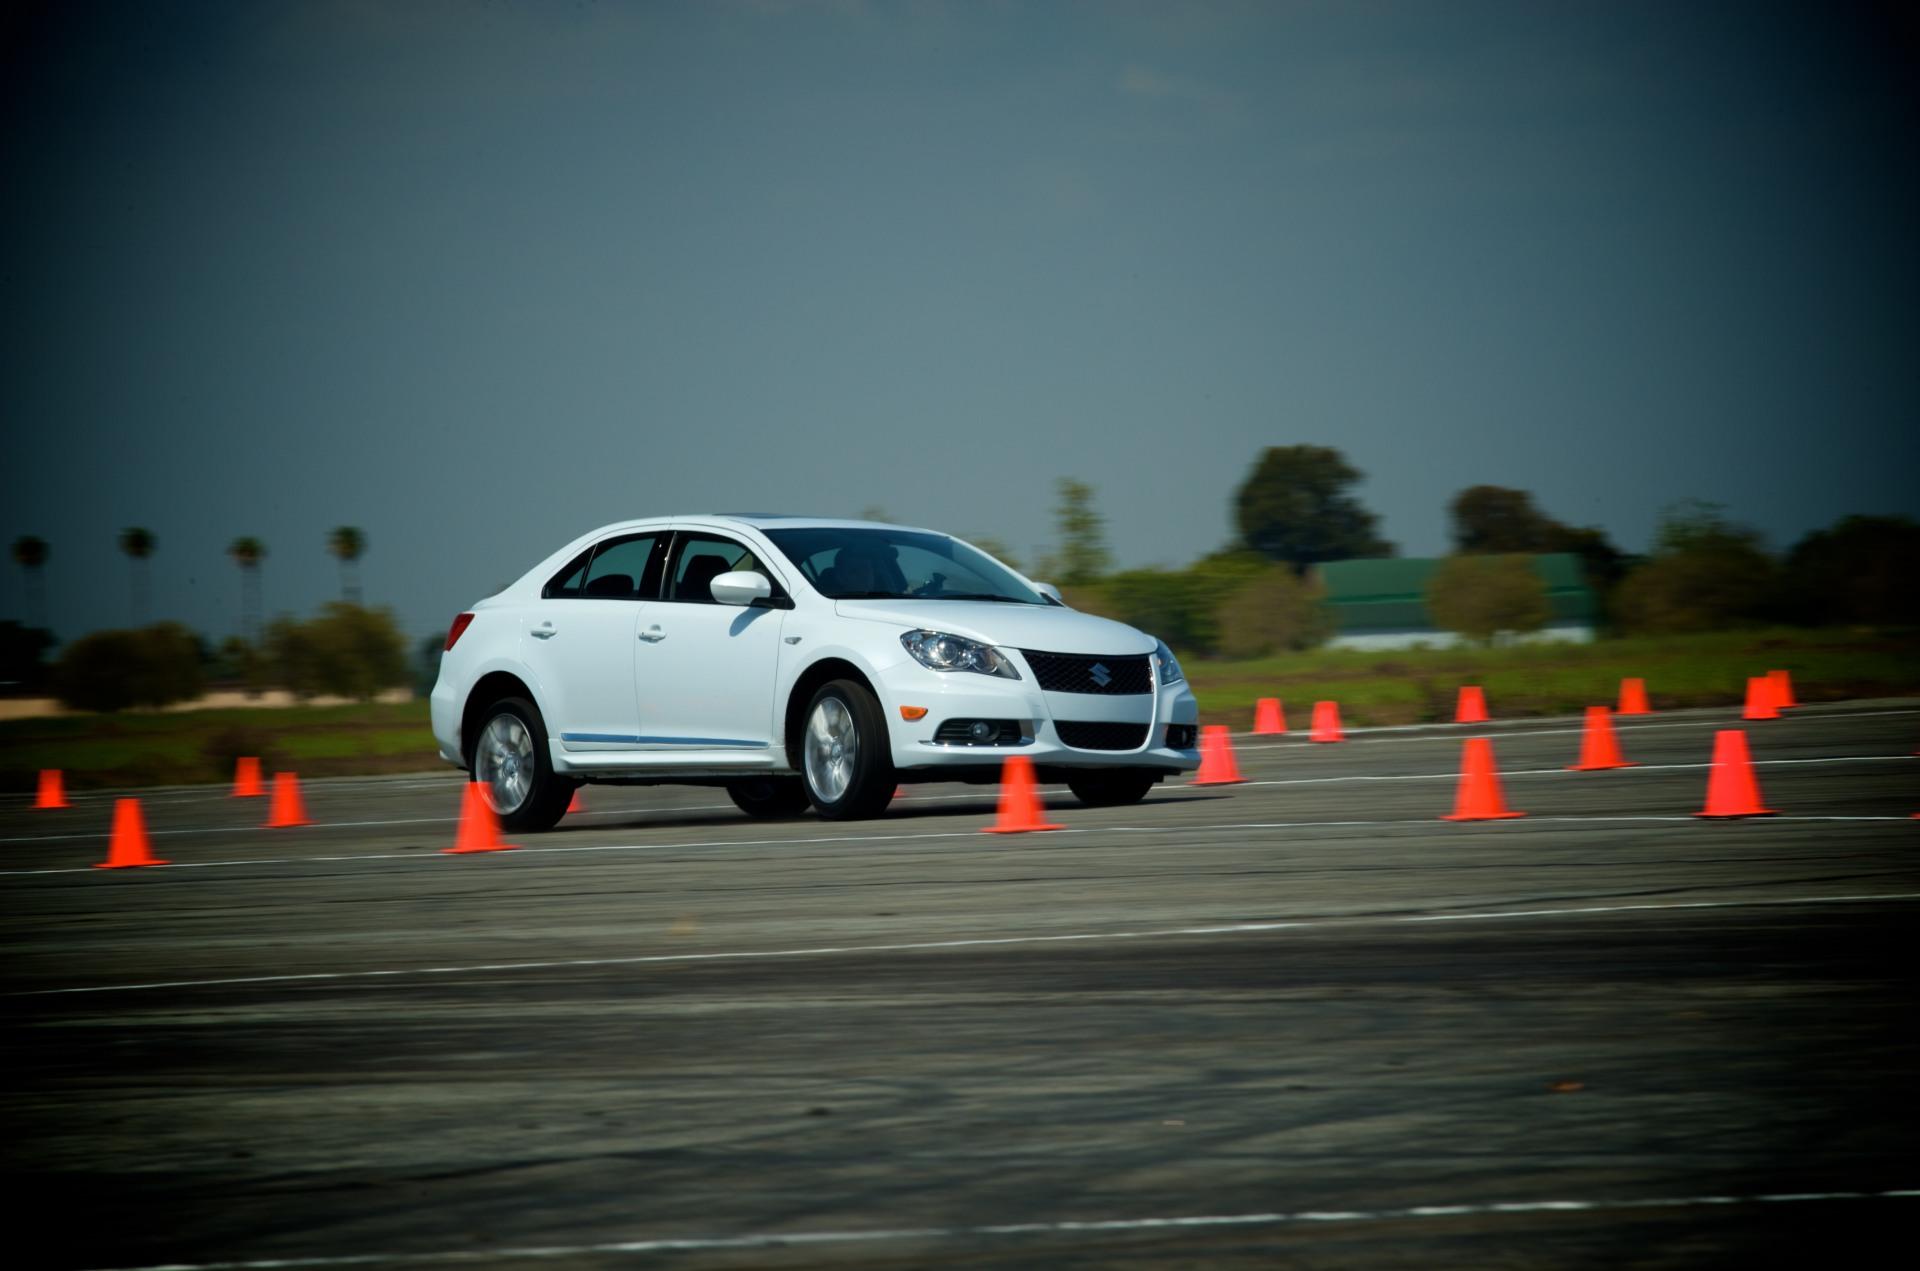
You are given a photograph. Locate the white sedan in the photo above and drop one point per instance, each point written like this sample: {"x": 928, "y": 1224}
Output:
{"x": 796, "y": 662}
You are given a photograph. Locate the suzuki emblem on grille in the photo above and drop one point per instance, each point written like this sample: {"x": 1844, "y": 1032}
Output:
{"x": 1101, "y": 675}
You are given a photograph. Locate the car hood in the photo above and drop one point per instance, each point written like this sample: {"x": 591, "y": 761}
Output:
{"x": 1046, "y": 627}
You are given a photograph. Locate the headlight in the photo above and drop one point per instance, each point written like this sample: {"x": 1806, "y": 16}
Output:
{"x": 1165, "y": 665}
{"x": 938, "y": 651}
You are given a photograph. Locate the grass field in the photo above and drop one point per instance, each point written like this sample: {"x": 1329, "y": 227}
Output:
{"x": 143, "y": 748}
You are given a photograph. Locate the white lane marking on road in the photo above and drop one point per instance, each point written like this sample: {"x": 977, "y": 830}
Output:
{"x": 1059, "y": 1227}
{"x": 983, "y": 796}
{"x": 968, "y": 942}
{"x": 1506, "y": 827}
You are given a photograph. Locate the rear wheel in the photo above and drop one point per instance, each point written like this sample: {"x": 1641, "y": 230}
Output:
{"x": 845, "y": 762}
{"x": 770, "y": 796}
{"x": 1111, "y": 787}
{"x": 511, "y": 763}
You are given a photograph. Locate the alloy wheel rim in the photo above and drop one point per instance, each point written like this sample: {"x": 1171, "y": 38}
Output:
{"x": 833, "y": 744}
{"x": 504, "y": 763}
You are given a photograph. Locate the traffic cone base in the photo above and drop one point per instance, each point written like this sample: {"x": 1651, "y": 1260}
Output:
{"x": 246, "y": 778}
{"x": 1326, "y": 723}
{"x": 1732, "y": 790}
{"x": 1761, "y": 702}
{"x": 1633, "y": 697}
{"x": 1217, "y": 766}
{"x": 1020, "y": 807}
{"x": 1472, "y": 705}
{"x": 288, "y": 809}
{"x": 1268, "y": 719}
{"x": 128, "y": 848}
{"x": 1599, "y": 749}
{"x": 1479, "y": 798}
{"x": 479, "y": 826}
{"x": 52, "y": 792}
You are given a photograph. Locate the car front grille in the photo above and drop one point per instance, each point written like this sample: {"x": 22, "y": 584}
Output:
{"x": 1080, "y": 673}
{"x": 1100, "y": 735}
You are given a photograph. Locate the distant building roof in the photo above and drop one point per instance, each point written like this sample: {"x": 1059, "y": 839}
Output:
{"x": 1391, "y": 594}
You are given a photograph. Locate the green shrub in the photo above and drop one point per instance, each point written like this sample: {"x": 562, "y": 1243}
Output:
{"x": 112, "y": 670}
{"x": 1482, "y": 597}
{"x": 349, "y": 650}
{"x": 1275, "y": 611}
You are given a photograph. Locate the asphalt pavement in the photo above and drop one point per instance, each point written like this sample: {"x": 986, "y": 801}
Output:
{"x": 1299, "y": 1021}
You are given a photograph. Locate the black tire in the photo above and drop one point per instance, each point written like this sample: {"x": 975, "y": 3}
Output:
{"x": 547, "y": 793}
{"x": 868, "y": 770}
{"x": 770, "y": 797}
{"x": 1111, "y": 787}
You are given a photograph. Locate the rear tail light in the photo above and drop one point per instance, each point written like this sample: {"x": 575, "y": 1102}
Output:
{"x": 460, "y": 624}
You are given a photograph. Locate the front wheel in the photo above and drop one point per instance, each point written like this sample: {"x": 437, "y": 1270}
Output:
{"x": 769, "y": 796}
{"x": 511, "y": 763}
{"x": 1111, "y": 787}
{"x": 845, "y": 762}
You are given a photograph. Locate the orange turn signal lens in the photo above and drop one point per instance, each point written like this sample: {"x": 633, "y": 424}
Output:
{"x": 913, "y": 712}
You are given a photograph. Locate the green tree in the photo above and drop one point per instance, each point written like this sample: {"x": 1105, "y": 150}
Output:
{"x": 1484, "y": 597}
{"x": 1492, "y": 519}
{"x": 23, "y": 652}
{"x": 1082, "y": 555}
{"x": 1274, "y": 611}
{"x": 30, "y": 554}
{"x": 247, "y": 552}
{"x": 1295, "y": 506}
{"x": 348, "y": 651}
{"x": 1706, "y": 573}
{"x": 348, "y": 544}
{"x": 1861, "y": 569}
{"x": 139, "y": 544}
{"x": 112, "y": 670}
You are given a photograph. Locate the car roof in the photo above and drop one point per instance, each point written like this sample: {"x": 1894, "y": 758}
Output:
{"x": 763, "y": 521}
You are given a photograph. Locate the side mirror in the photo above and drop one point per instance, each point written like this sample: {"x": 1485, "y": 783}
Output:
{"x": 742, "y": 587}
{"x": 1051, "y": 592}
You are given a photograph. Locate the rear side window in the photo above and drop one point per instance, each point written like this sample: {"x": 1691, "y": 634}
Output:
{"x": 626, "y": 568}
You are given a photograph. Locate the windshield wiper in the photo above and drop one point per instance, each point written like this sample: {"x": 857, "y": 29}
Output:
{"x": 869, "y": 595}
{"x": 977, "y": 595}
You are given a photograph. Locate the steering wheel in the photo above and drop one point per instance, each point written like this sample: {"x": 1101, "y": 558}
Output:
{"x": 932, "y": 587}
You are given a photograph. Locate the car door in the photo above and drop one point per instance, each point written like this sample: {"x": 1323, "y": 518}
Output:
{"x": 705, "y": 671}
{"x": 578, "y": 641}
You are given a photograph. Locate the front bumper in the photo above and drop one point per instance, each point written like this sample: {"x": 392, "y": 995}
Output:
{"x": 952, "y": 696}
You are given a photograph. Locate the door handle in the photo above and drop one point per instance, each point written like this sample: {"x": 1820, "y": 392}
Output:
{"x": 545, "y": 631}
{"x": 653, "y": 634}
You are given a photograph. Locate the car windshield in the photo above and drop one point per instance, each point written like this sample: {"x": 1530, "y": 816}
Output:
{"x": 886, "y": 564}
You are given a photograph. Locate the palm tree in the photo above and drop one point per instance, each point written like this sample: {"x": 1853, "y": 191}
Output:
{"x": 138, "y": 543}
{"x": 30, "y": 554}
{"x": 247, "y": 553}
{"x": 347, "y": 544}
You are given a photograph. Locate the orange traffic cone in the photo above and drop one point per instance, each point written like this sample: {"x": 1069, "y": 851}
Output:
{"x": 574, "y": 804}
{"x": 1268, "y": 719}
{"x": 479, "y": 828}
{"x": 128, "y": 847}
{"x": 1326, "y": 722}
{"x": 1761, "y": 703}
{"x": 1782, "y": 690}
{"x": 53, "y": 790}
{"x": 1020, "y": 807}
{"x": 1478, "y": 798}
{"x": 1598, "y": 747}
{"x": 1731, "y": 788}
{"x": 1472, "y": 707}
{"x": 1633, "y": 697}
{"x": 287, "y": 810}
{"x": 246, "y": 778}
{"x": 1217, "y": 767}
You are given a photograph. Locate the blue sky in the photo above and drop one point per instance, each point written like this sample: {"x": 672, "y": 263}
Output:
{"x": 479, "y": 276}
